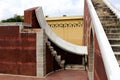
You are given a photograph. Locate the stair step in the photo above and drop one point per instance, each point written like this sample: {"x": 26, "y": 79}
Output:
{"x": 62, "y": 63}
{"x": 75, "y": 67}
{"x": 108, "y": 10}
{"x": 108, "y": 26}
{"x": 54, "y": 53}
{"x": 113, "y": 35}
{"x": 117, "y": 53}
{"x": 111, "y": 27}
{"x": 115, "y": 45}
{"x": 116, "y": 48}
{"x": 112, "y": 30}
{"x": 107, "y": 16}
{"x": 106, "y": 13}
{"x": 117, "y": 39}
{"x": 48, "y": 43}
{"x": 109, "y": 23}
{"x": 114, "y": 41}
{"x": 117, "y": 56}
{"x": 58, "y": 58}
{"x": 115, "y": 29}
{"x": 118, "y": 62}
{"x": 108, "y": 19}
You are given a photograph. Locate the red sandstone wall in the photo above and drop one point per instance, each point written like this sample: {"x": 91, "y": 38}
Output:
{"x": 7, "y": 31}
{"x": 17, "y": 51}
{"x": 87, "y": 23}
{"x": 30, "y": 17}
{"x": 99, "y": 70}
{"x": 49, "y": 60}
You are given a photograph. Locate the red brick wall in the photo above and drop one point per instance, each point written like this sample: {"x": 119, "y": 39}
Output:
{"x": 49, "y": 60}
{"x": 87, "y": 28}
{"x": 9, "y": 31}
{"x": 87, "y": 23}
{"x": 17, "y": 51}
{"x": 30, "y": 17}
{"x": 99, "y": 70}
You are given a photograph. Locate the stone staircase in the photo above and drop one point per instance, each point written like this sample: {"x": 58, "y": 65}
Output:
{"x": 110, "y": 24}
{"x": 56, "y": 56}
{"x": 62, "y": 63}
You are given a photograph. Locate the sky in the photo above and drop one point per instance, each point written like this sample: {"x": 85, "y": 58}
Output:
{"x": 8, "y": 8}
{"x": 115, "y": 3}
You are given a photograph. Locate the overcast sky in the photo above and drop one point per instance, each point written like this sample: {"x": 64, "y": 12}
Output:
{"x": 115, "y": 3}
{"x": 8, "y": 8}
{"x": 50, "y": 7}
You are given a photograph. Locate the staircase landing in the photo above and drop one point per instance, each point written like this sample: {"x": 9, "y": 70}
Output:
{"x": 57, "y": 75}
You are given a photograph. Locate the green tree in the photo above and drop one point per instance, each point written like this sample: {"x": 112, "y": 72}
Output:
{"x": 16, "y": 18}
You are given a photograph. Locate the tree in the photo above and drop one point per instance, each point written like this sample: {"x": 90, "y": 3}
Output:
{"x": 16, "y": 18}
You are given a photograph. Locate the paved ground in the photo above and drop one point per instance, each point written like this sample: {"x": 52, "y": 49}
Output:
{"x": 58, "y": 75}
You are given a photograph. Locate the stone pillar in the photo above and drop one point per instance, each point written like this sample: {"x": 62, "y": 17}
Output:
{"x": 30, "y": 17}
{"x": 40, "y": 54}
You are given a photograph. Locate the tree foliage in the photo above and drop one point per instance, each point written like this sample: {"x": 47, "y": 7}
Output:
{"x": 16, "y": 18}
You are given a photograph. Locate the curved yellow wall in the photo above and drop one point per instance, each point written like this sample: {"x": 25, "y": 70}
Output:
{"x": 70, "y": 28}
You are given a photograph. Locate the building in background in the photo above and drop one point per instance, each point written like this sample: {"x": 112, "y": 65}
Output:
{"x": 70, "y": 28}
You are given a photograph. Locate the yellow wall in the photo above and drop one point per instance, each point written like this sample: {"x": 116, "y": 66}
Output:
{"x": 70, "y": 28}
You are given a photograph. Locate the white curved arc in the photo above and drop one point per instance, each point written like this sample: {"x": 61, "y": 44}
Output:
{"x": 80, "y": 50}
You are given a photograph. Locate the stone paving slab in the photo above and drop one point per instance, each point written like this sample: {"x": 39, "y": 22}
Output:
{"x": 58, "y": 75}
{"x": 68, "y": 75}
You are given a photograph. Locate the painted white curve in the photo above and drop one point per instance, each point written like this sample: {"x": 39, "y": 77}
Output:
{"x": 76, "y": 49}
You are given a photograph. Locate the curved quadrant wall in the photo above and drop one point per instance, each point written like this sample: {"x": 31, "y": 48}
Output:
{"x": 80, "y": 50}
